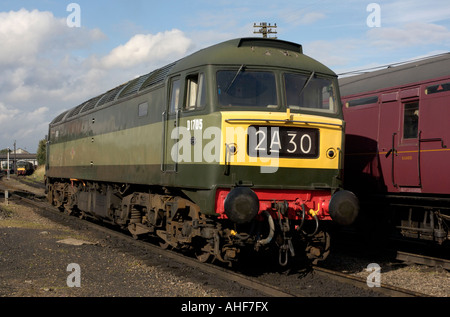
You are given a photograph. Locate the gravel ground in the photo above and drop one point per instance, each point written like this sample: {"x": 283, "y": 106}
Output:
{"x": 35, "y": 252}
{"x": 418, "y": 278}
{"x": 432, "y": 281}
{"x": 34, "y": 261}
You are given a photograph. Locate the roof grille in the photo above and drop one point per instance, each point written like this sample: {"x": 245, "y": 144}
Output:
{"x": 110, "y": 95}
{"x": 75, "y": 111}
{"x": 157, "y": 76}
{"x": 91, "y": 103}
{"x": 127, "y": 89}
{"x": 60, "y": 117}
{"x": 133, "y": 86}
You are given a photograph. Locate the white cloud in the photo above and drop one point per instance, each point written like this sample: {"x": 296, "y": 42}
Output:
{"x": 332, "y": 53}
{"x": 38, "y": 70}
{"x": 415, "y": 33}
{"x": 22, "y": 125}
{"x": 42, "y": 76}
{"x": 408, "y": 11}
{"x": 148, "y": 48}
{"x": 301, "y": 17}
{"x": 6, "y": 114}
{"x": 27, "y": 35}
{"x": 22, "y": 34}
{"x": 380, "y": 46}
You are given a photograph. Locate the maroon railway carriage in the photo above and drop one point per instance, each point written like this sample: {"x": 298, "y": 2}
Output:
{"x": 398, "y": 143}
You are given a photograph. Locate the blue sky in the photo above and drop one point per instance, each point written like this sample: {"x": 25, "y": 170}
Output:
{"x": 48, "y": 67}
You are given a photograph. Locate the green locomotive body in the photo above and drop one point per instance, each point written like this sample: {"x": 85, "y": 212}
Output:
{"x": 243, "y": 132}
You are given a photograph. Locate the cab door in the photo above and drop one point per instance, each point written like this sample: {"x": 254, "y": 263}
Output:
{"x": 170, "y": 120}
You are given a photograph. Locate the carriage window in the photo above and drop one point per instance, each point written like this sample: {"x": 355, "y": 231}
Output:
{"x": 175, "y": 95}
{"x": 411, "y": 120}
{"x": 437, "y": 88}
{"x": 362, "y": 101}
{"x": 195, "y": 92}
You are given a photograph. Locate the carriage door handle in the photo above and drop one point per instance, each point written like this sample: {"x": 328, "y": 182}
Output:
{"x": 392, "y": 150}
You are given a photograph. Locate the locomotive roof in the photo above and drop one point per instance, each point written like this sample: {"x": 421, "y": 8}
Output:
{"x": 254, "y": 51}
{"x": 241, "y": 51}
{"x": 425, "y": 69}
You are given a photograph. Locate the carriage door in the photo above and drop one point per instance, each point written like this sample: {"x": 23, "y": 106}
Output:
{"x": 170, "y": 120}
{"x": 407, "y": 160}
{"x": 389, "y": 123}
{"x": 399, "y": 139}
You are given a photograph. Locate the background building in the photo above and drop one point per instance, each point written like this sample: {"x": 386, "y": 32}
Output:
{"x": 20, "y": 155}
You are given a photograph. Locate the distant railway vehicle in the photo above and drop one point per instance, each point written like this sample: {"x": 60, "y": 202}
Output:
{"x": 24, "y": 168}
{"x": 236, "y": 147}
{"x": 398, "y": 144}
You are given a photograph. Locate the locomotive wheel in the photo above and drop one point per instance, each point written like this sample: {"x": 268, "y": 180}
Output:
{"x": 135, "y": 236}
{"x": 202, "y": 256}
{"x": 164, "y": 244}
{"x": 132, "y": 230}
{"x": 202, "y": 249}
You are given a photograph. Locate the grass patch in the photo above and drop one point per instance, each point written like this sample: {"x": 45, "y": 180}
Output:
{"x": 20, "y": 223}
{"x": 6, "y": 212}
{"x": 37, "y": 176}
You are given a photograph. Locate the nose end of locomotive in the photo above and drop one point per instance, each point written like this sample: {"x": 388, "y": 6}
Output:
{"x": 344, "y": 207}
{"x": 241, "y": 205}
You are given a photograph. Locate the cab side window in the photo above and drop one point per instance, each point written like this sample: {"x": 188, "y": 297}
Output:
{"x": 195, "y": 91}
{"x": 175, "y": 95}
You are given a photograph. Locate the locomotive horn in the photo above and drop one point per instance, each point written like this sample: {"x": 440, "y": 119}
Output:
{"x": 241, "y": 205}
{"x": 344, "y": 207}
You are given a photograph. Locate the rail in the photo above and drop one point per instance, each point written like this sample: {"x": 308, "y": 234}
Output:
{"x": 383, "y": 289}
{"x": 423, "y": 259}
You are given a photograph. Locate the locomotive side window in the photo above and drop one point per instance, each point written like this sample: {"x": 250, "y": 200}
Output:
{"x": 247, "y": 88}
{"x": 175, "y": 95}
{"x": 309, "y": 92}
{"x": 195, "y": 91}
{"x": 411, "y": 120}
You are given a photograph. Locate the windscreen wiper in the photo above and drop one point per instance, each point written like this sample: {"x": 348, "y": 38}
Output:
{"x": 307, "y": 83}
{"x": 235, "y": 76}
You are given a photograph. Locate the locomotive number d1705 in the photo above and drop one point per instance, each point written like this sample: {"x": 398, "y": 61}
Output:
{"x": 285, "y": 142}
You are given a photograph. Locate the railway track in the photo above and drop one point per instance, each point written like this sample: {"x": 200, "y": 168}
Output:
{"x": 266, "y": 285}
{"x": 383, "y": 289}
{"x": 423, "y": 259}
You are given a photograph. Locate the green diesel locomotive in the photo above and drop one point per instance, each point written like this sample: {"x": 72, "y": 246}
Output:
{"x": 238, "y": 146}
